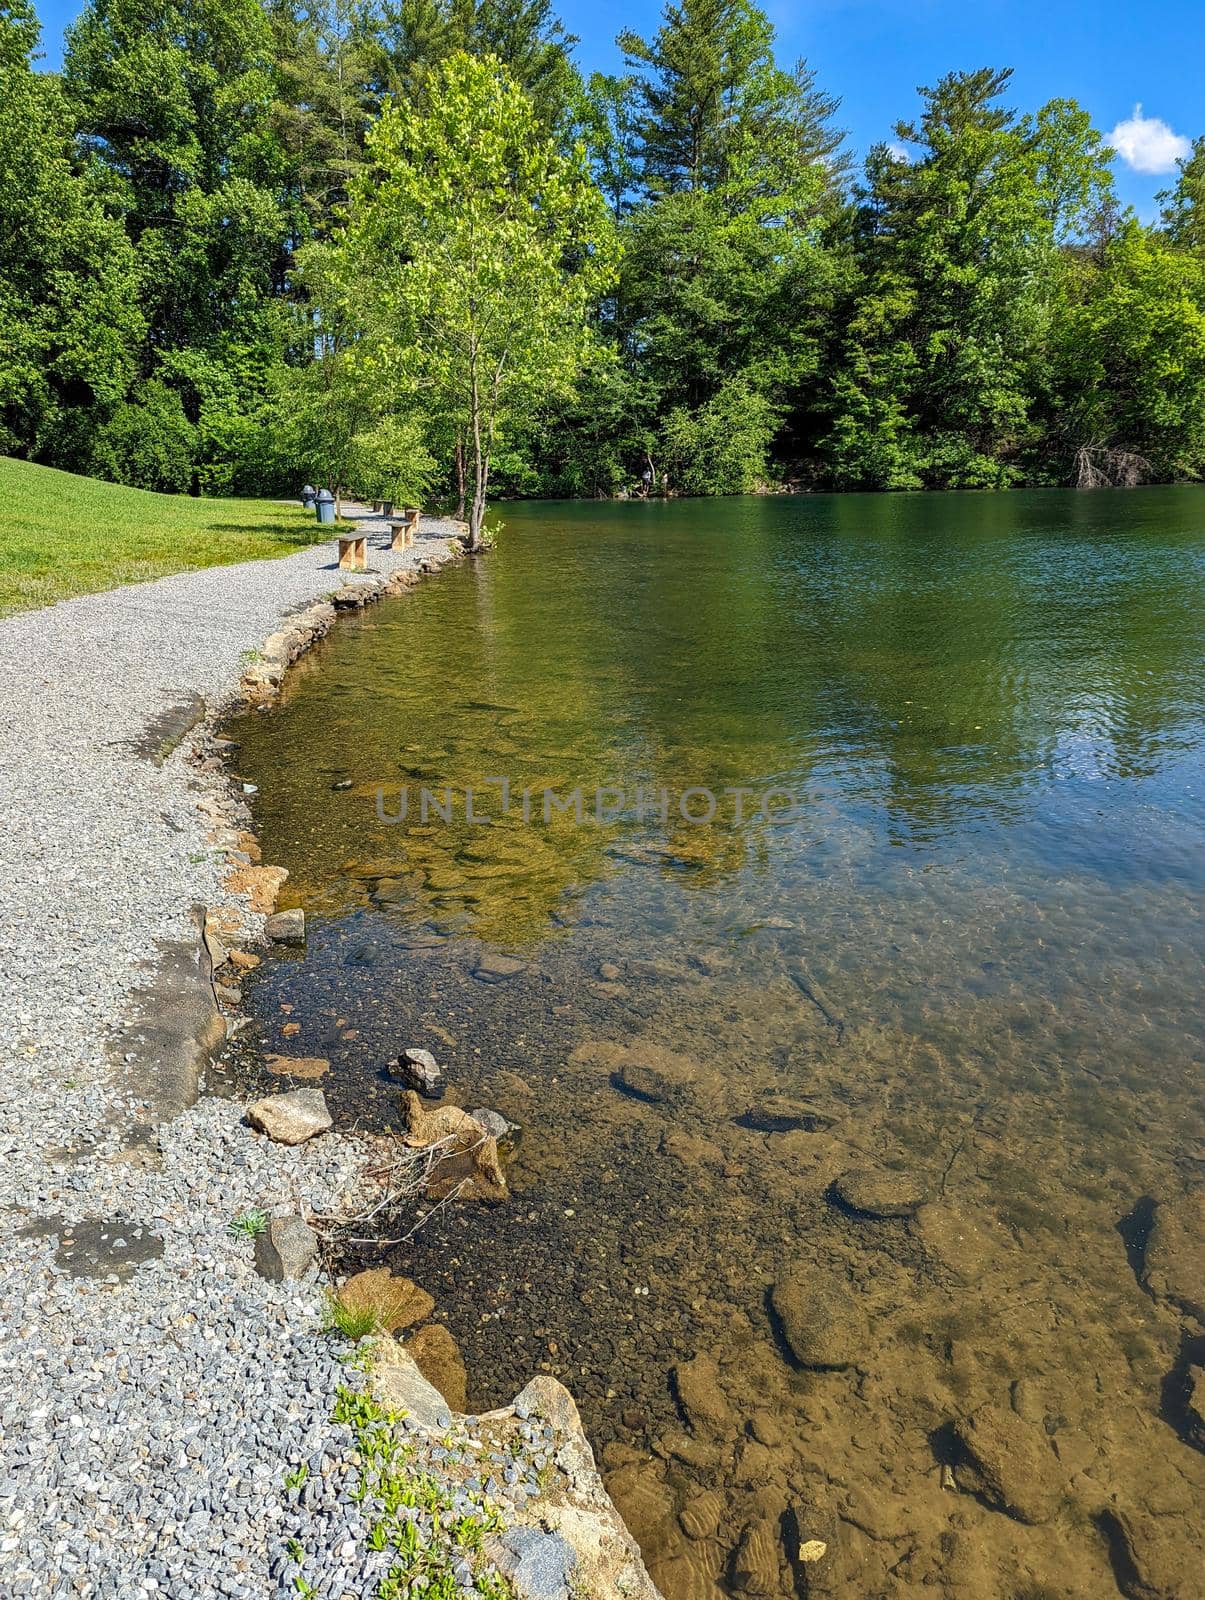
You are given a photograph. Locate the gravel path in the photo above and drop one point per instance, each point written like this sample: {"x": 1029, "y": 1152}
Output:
{"x": 153, "y": 1389}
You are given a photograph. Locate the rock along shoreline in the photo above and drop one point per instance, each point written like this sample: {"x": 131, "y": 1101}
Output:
{"x": 172, "y": 1422}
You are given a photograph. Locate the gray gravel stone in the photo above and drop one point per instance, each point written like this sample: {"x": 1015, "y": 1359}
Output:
{"x": 132, "y": 1402}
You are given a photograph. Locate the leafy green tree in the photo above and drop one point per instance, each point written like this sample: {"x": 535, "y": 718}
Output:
{"x": 1128, "y": 359}
{"x": 172, "y": 102}
{"x": 1184, "y": 206}
{"x": 69, "y": 318}
{"x": 474, "y": 260}
{"x": 147, "y": 442}
{"x": 172, "y": 96}
{"x": 721, "y": 448}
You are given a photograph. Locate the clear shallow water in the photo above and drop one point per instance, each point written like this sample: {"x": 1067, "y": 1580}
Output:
{"x": 967, "y": 952}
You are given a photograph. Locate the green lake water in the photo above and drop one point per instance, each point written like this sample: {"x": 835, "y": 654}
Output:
{"x": 959, "y": 946}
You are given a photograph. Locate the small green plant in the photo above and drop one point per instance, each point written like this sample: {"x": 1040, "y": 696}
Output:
{"x": 295, "y": 1549}
{"x": 297, "y": 1477}
{"x": 353, "y": 1322}
{"x": 248, "y": 1224}
{"x": 402, "y": 1493}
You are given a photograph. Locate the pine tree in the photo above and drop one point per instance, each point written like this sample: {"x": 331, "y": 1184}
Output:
{"x": 956, "y": 240}
{"x": 524, "y": 35}
{"x": 325, "y": 96}
{"x": 724, "y": 271}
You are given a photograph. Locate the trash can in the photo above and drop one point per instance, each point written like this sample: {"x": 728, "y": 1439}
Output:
{"x": 325, "y": 506}
{"x": 308, "y": 495}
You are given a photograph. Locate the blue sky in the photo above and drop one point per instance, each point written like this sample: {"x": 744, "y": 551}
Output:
{"x": 1108, "y": 55}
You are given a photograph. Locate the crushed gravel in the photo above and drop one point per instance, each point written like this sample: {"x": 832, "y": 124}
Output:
{"x": 154, "y": 1390}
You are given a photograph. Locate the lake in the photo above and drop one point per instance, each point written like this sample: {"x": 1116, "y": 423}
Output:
{"x": 852, "y": 1031}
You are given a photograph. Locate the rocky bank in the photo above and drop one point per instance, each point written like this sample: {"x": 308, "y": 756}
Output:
{"x": 173, "y": 1417}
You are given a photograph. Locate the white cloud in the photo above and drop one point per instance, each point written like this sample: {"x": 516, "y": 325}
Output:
{"x": 1147, "y": 143}
{"x": 899, "y": 152}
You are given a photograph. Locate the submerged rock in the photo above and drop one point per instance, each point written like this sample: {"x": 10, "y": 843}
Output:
{"x": 493, "y": 967}
{"x": 822, "y": 1323}
{"x": 418, "y": 1069}
{"x": 783, "y": 1114}
{"x": 286, "y": 1249}
{"x": 286, "y": 927}
{"x": 1009, "y": 1464}
{"x": 755, "y": 1567}
{"x": 298, "y": 1066}
{"x": 701, "y": 1516}
{"x": 1152, "y": 1563}
{"x": 660, "y": 1078}
{"x": 697, "y": 1385}
{"x": 1174, "y": 1264}
{"x": 291, "y": 1118}
{"x": 872, "y": 1193}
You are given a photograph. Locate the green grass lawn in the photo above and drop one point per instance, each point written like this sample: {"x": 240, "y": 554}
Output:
{"x": 62, "y": 535}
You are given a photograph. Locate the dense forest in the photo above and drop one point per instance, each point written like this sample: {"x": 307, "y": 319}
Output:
{"x": 406, "y": 248}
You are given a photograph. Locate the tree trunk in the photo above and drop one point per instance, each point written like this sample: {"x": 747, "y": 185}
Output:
{"x": 460, "y": 482}
{"x": 481, "y": 475}
{"x": 481, "y": 472}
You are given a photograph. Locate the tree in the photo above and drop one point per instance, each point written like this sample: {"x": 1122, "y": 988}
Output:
{"x": 1184, "y": 206}
{"x": 715, "y": 101}
{"x": 172, "y": 104}
{"x": 69, "y": 317}
{"x": 725, "y": 272}
{"x": 474, "y": 259}
{"x": 324, "y": 97}
{"x": 525, "y": 36}
{"x": 957, "y": 243}
{"x": 1128, "y": 359}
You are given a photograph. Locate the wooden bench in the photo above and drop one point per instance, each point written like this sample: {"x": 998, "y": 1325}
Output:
{"x": 404, "y": 528}
{"x": 353, "y": 552}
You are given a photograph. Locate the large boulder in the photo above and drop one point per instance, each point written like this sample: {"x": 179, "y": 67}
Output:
{"x": 822, "y": 1323}
{"x": 286, "y": 927}
{"x": 417, "y": 1069}
{"x": 291, "y": 1118}
{"x": 394, "y": 1302}
{"x": 1008, "y": 1463}
{"x": 569, "y": 1540}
